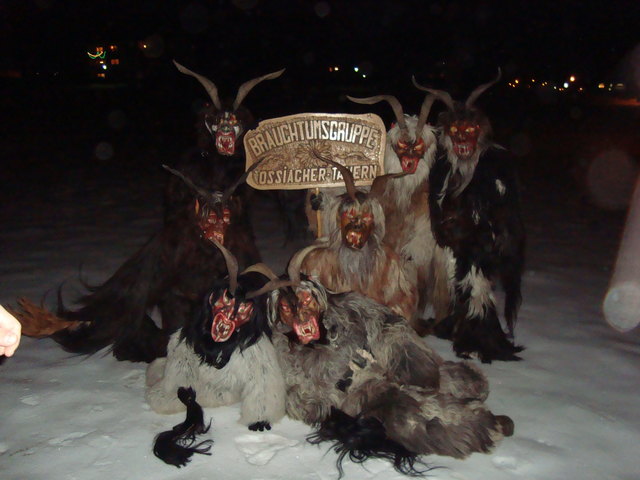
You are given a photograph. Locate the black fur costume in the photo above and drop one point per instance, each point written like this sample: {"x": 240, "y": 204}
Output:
{"x": 475, "y": 210}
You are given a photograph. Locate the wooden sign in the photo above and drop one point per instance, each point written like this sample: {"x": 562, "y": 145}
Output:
{"x": 288, "y": 146}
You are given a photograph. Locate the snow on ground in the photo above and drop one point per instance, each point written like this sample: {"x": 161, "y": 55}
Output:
{"x": 573, "y": 398}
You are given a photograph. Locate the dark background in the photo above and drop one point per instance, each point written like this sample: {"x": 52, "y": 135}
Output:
{"x": 60, "y": 120}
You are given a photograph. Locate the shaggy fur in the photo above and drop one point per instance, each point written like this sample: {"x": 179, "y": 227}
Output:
{"x": 242, "y": 369}
{"x": 375, "y": 270}
{"x": 475, "y": 211}
{"x": 177, "y": 446}
{"x": 406, "y": 206}
{"x": 371, "y": 365}
{"x": 172, "y": 272}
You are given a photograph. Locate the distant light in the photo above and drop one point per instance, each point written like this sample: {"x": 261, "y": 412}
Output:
{"x": 533, "y": 80}
{"x": 356, "y": 69}
{"x": 98, "y": 54}
{"x": 601, "y": 86}
{"x": 104, "y": 67}
{"x": 331, "y": 69}
{"x": 336, "y": 69}
{"x": 581, "y": 89}
{"x": 517, "y": 81}
{"x": 364, "y": 76}
{"x": 572, "y": 78}
{"x": 565, "y": 85}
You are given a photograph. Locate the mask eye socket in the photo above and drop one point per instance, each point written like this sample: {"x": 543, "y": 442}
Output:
{"x": 402, "y": 145}
{"x": 470, "y": 129}
{"x": 226, "y": 216}
{"x": 453, "y": 129}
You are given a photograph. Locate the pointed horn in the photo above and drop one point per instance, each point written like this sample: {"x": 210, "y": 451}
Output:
{"x": 480, "y": 90}
{"x": 441, "y": 94}
{"x": 229, "y": 191}
{"x": 209, "y": 86}
{"x": 295, "y": 264}
{"x": 424, "y": 113}
{"x": 395, "y": 105}
{"x": 246, "y": 87}
{"x": 232, "y": 266}
{"x": 380, "y": 183}
{"x": 347, "y": 176}
{"x": 204, "y": 194}
{"x": 262, "y": 268}
{"x": 269, "y": 286}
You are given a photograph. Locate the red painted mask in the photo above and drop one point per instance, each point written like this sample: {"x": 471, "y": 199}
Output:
{"x": 225, "y": 322}
{"x": 307, "y": 318}
{"x": 213, "y": 223}
{"x": 226, "y": 129}
{"x": 410, "y": 154}
{"x": 356, "y": 225}
{"x": 464, "y": 136}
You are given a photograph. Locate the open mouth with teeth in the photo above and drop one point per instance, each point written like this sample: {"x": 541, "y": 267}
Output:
{"x": 226, "y": 142}
{"x": 307, "y": 331}
{"x": 355, "y": 239}
{"x": 222, "y": 328}
{"x": 463, "y": 149}
{"x": 409, "y": 164}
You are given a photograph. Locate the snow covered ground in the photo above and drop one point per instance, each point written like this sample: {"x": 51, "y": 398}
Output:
{"x": 574, "y": 397}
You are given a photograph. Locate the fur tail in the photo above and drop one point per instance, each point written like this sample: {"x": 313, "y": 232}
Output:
{"x": 112, "y": 314}
{"x": 480, "y": 336}
{"x": 361, "y": 438}
{"x": 177, "y": 446}
{"x": 37, "y": 321}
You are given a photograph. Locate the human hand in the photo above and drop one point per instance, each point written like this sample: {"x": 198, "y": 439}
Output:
{"x": 10, "y": 331}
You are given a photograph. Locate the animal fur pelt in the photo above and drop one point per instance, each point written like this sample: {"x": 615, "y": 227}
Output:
{"x": 411, "y": 148}
{"x": 476, "y": 217}
{"x": 225, "y": 354}
{"x": 355, "y": 257}
{"x": 172, "y": 272}
{"x": 177, "y": 446}
{"x": 357, "y": 362}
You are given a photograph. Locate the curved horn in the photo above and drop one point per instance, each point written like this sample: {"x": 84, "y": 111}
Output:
{"x": 395, "y": 105}
{"x": 262, "y": 268}
{"x": 246, "y": 87}
{"x": 229, "y": 191}
{"x": 380, "y": 183}
{"x": 441, "y": 94}
{"x": 424, "y": 114}
{"x": 232, "y": 266}
{"x": 205, "y": 194}
{"x": 270, "y": 285}
{"x": 347, "y": 176}
{"x": 209, "y": 86}
{"x": 295, "y": 264}
{"x": 480, "y": 90}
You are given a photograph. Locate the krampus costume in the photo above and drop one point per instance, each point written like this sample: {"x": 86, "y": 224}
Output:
{"x": 172, "y": 271}
{"x": 357, "y": 372}
{"x": 224, "y": 353}
{"x": 475, "y": 213}
{"x": 355, "y": 257}
{"x": 411, "y": 149}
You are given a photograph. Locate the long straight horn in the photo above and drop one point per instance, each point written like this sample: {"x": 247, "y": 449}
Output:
{"x": 395, "y": 105}
{"x": 295, "y": 264}
{"x": 347, "y": 176}
{"x": 380, "y": 183}
{"x": 246, "y": 87}
{"x": 424, "y": 113}
{"x": 441, "y": 94}
{"x": 229, "y": 191}
{"x": 209, "y": 86}
{"x": 204, "y": 194}
{"x": 480, "y": 90}
{"x": 232, "y": 265}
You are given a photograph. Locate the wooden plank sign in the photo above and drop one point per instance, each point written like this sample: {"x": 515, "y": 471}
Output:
{"x": 286, "y": 145}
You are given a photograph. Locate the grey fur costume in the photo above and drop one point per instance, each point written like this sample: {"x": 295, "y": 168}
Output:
{"x": 374, "y": 365}
{"x": 252, "y": 377}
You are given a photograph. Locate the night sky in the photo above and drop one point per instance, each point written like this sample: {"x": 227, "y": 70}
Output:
{"x": 388, "y": 38}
